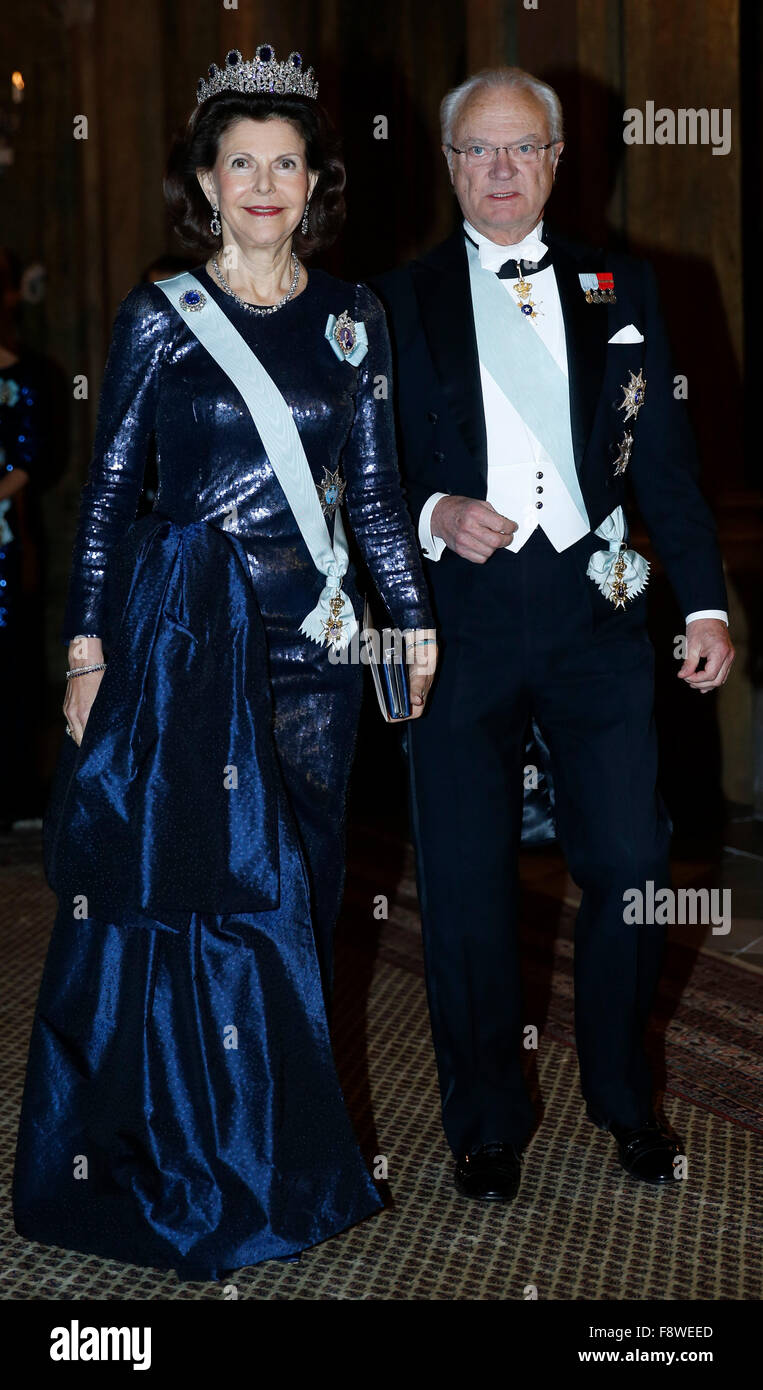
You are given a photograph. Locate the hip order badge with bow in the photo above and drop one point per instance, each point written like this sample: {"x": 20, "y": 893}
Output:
{"x": 619, "y": 573}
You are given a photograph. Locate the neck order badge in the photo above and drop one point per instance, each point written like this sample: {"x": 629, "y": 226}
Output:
{"x": 523, "y": 290}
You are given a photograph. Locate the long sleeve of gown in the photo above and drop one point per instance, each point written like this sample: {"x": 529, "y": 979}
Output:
{"x": 126, "y": 413}
{"x": 376, "y": 504}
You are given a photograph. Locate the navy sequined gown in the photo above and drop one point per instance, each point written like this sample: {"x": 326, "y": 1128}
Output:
{"x": 181, "y": 1106}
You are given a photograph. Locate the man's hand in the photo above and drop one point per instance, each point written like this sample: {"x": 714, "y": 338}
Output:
{"x": 708, "y": 637}
{"x": 472, "y": 528}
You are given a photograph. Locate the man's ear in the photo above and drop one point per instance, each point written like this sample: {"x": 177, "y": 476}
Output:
{"x": 448, "y": 160}
{"x": 558, "y": 147}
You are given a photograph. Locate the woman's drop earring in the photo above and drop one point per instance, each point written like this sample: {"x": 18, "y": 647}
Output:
{"x": 215, "y": 225}
{"x": 303, "y": 228}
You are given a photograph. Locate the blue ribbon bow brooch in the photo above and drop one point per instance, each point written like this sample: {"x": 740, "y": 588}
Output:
{"x": 348, "y": 339}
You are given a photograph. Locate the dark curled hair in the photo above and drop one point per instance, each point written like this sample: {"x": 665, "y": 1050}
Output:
{"x": 197, "y": 148}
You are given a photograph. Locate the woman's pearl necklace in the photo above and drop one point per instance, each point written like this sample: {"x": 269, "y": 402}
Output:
{"x": 260, "y": 309}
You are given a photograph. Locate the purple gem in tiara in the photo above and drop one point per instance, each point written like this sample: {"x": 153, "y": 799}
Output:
{"x": 262, "y": 74}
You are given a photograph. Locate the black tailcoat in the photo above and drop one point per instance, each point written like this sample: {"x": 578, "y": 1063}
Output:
{"x": 443, "y": 446}
{"x": 527, "y": 635}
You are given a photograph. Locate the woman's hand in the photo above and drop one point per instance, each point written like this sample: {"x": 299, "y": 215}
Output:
{"x": 82, "y": 690}
{"x": 421, "y": 646}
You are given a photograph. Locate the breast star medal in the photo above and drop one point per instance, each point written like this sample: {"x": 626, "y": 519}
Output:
{"x": 331, "y": 491}
{"x": 523, "y": 290}
{"x": 624, "y": 453}
{"x": 634, "y": 394}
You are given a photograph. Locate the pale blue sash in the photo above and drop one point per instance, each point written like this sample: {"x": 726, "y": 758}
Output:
{"x": 283, "y": 446}
{"x": 523, "y": 368}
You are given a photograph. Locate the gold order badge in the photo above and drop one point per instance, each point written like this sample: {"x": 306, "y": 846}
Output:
{"x": 618, "y": 588}
{"x": 332, "y": 626}
{"x": 523, "y": 291}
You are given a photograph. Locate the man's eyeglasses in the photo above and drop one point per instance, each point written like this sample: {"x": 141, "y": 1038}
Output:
{"x": 524, "y": 151}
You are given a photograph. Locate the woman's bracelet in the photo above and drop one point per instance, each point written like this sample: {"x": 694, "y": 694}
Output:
{"x": 84, "y": 670}
{"x": 425, "y": 641}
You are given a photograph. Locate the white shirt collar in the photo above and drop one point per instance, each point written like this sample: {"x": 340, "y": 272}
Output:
{"x": 492, "y": 256}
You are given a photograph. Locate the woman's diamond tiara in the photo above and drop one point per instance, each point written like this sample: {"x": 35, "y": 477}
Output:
{"x": 262, "y": 74}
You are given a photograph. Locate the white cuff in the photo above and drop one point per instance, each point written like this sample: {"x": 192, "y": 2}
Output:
{"x": 432, "y": 546}
{"x": 708, "y": 613}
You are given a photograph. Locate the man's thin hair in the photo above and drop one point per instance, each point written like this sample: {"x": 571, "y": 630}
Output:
{"x": 491, "y": 78}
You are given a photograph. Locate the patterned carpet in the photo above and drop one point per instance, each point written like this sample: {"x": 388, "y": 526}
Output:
{"x": 579, "y": 1229}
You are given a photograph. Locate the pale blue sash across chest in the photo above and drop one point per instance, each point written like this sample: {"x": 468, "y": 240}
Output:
{"x": 282, "y": 444}
{"x": 525, "y": 371}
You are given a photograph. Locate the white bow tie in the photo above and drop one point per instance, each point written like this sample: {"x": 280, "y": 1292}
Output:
{"x": 530, "y": 248}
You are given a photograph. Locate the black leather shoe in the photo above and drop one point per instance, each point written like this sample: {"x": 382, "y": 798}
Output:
{"x": 489, "y": 1173}
{"x": 646, "y": 1152}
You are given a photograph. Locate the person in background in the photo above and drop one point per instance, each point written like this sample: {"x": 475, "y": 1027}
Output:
{"x": 24, "y": 465}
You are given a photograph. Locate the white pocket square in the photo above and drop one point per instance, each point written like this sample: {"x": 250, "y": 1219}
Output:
{"x": 629, "y": 334}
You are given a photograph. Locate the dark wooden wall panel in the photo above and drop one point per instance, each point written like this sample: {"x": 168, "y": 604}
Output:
{"x": 683, "y": 207}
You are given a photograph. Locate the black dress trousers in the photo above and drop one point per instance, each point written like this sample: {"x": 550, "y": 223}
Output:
{"x": 535, "y": 636}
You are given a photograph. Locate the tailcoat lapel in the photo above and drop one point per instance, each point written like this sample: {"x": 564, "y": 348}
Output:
{"x": 445, "y": 303}
{"x": 586, "y": 333}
